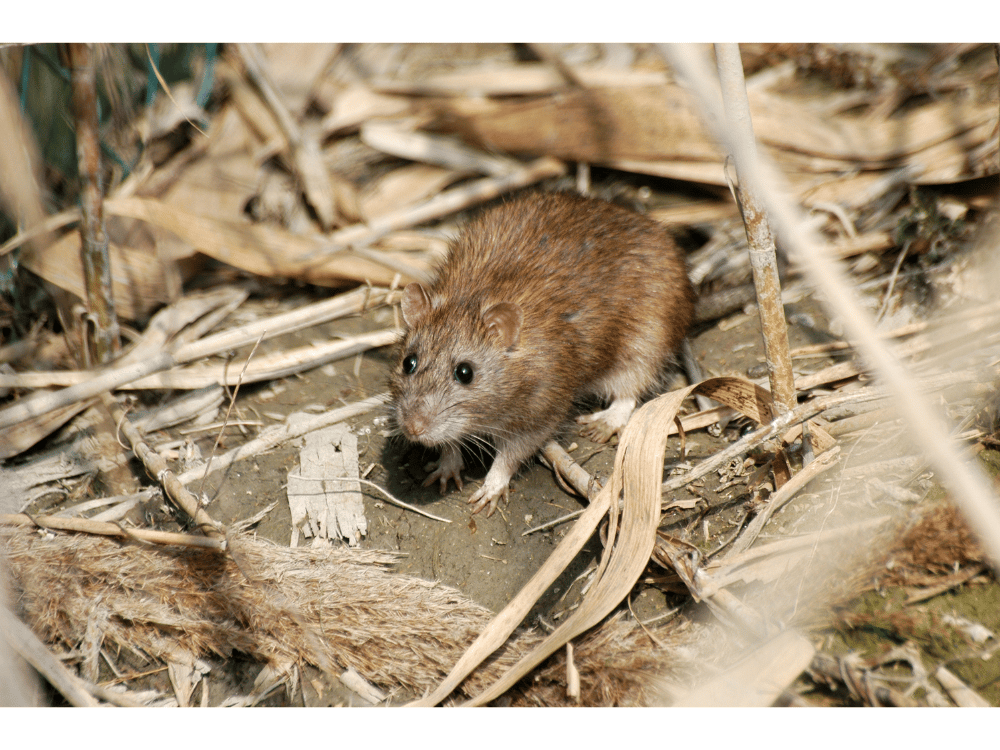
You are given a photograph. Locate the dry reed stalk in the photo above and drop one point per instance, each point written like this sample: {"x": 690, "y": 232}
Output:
{"x": 437, "y": 150}
{"x": 763, "y": 256}
{"x": 156, "y": 466}
{"x": 118, "y": 501}
{"x": 103, "y": 528}
{"x": 96, "y": 264}
{"x": 278, "y": 434}
{"x": 294, "y": 320}
{"x": 967, "y": 486}
{"x": 566, "y": 468}
{"x": 39, "y": 404}
{"x": 268, "y": 367}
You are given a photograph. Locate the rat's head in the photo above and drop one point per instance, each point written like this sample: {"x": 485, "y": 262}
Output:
{"x": 451, "y": 376}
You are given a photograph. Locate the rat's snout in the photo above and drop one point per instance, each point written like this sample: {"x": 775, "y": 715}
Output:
{"x": 414, "y": 422}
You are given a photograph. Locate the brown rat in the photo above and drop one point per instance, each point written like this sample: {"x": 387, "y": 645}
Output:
{"x": 542, "y": 300}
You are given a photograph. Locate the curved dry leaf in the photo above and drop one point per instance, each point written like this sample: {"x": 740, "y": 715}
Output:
{"x": 25, "y": 434}
{"x": 637, "y": 475}
{"x": 257, "y": 248}
{"x": 357, "y": 104}
{"x": 220, "y": 181}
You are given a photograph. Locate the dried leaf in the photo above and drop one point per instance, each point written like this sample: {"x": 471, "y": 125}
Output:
{"x": 18, "y": 438}
{"x": 358, "y": 104}
{"x": 264, "y": 250}
{"x": 405, "y": 186}
{"x": 221, "y": 182}
{"x": 137, "y": 278}
{"x": 652, "y": 128}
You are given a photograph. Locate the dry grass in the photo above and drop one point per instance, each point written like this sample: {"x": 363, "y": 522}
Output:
{"x": 334, "y": 608}
{"x": 294, "y": 174}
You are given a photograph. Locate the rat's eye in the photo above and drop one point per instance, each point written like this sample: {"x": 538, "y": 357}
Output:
{"x": 463, "y": 373}
{"x": 410, "y": 364}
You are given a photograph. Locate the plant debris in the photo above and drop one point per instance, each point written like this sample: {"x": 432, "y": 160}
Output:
{"x": 261, "y": 213}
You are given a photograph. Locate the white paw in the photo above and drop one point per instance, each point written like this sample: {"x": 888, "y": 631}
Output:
{"x": 494, "y": 486}
{"x": 482, "y": 498}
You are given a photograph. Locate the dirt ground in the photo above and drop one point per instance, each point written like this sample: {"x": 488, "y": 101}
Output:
{"x": 489, "y": 559}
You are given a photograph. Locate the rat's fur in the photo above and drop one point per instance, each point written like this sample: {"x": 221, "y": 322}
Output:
{"x": 546, "y": 298}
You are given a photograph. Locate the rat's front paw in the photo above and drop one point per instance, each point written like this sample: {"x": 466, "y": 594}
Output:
{"x": 449, "y": 467}
{"x": 483, "y": 497}
{"x": 497, "y": 480}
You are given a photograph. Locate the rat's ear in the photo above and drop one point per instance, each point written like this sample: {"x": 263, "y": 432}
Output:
{"x": 415, "y": 304}
{"x": 504, "y": 320}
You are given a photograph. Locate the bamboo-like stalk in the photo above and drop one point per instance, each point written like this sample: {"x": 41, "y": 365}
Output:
{"x": 106, "y": 528}
{"x": 156, "y": 466}
{"x": 763, "y": 257}
{"x": 94, "y": 250}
